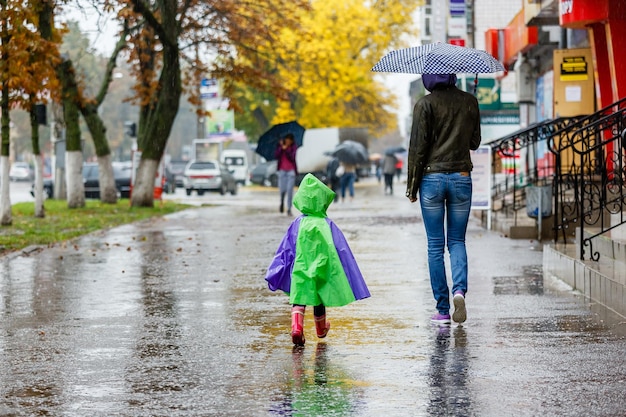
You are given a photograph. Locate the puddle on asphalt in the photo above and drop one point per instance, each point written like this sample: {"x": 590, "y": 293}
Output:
{"x": 315, "y": 386}
{"x": 530, "y": 282}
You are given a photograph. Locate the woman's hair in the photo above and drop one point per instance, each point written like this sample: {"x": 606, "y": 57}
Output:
{"x": 289, "y": 136}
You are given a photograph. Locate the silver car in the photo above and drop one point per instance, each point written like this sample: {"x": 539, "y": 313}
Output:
{"x": 21, "y": 171}
{"x": 211, "y": 175}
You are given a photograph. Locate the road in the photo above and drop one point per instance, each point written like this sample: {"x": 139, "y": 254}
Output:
{"x": 172, "y": 317}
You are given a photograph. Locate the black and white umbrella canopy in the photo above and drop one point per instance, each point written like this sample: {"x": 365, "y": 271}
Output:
{"x": 438, "y": 58}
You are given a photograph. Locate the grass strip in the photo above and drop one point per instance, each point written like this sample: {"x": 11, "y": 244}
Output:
{"x": 62, "y": 223}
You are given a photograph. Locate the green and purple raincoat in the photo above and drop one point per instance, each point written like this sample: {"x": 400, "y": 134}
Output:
{"x": 313, "y": 263}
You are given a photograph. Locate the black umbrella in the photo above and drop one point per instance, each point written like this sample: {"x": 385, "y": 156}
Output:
{"x": 351, "y": 152}
{"x": 268, "y": 142}
{"x": 393, "y": 150}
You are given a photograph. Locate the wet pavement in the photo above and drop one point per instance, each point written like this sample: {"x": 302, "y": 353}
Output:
{"x": 172, "y": 317}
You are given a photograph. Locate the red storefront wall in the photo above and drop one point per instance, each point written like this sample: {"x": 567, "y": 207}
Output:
{"x": 606, "y": 22}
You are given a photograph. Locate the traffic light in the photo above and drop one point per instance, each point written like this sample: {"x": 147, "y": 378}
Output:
{"x": 40, "y": 114}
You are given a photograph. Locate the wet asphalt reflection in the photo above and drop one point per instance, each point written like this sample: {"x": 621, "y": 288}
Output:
{"x": 172, "y": 317}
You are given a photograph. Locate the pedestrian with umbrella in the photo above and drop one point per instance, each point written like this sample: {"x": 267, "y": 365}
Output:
{"x": 446, "y": 126}
{"x": 287, "y": 170}
{"x": 350, "y": 153}
{"x": 281, "y": 143}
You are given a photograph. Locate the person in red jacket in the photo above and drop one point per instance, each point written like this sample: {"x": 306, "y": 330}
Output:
{"x": 287, "y": 170}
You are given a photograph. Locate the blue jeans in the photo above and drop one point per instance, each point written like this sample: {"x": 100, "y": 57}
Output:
{"x": 286, "y": 182}
{"x": 446, "y": 199}
{"x": 347, "y": 181}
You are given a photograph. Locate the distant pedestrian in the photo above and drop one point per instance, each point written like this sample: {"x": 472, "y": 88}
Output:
{"x": 347, "y": 180}
{"x": 313, "y": 263}
{"x": 333, "y": 176}
{"x": 389, "y": 170}
{"x": 399, "y": 165}
{"x": 287, "y": 170}
{"x": 446, "y": 126}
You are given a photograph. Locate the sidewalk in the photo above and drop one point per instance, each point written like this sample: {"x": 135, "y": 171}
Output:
{"x": 173, "y": 317}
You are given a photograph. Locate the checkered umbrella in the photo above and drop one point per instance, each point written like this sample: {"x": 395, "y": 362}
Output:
{"x": 438, "y": 58}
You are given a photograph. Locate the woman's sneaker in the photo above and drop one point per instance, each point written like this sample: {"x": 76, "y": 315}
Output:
{"x": 440, "y": 318}
{"x": 460, "y": 313}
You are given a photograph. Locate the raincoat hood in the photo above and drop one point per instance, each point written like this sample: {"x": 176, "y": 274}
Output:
{"x": 432, "y": 81}
{"x": 313, "y": 197}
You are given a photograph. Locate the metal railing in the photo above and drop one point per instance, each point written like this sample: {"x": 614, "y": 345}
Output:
{"x": 529, "y": 164}
{"x": 589, "y": 176}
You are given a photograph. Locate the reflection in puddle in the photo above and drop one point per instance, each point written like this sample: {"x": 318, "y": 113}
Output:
{"x": 448, "y": 373}
{"x": 317, "y": 387}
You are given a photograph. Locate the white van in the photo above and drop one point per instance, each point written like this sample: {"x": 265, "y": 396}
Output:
{"x": 237, "y": 162}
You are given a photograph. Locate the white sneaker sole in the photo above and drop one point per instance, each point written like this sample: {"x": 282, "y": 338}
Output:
{"x": 460, "y": 314}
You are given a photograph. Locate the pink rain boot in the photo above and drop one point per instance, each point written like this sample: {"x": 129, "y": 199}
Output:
{"x": 321, "y": 326}
{"x": 297, "y": 325}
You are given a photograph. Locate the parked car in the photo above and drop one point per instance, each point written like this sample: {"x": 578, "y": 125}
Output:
{"x": 212, "y": 175}
{"x": 169, "y": 183}
{"x": 48, "y": 188}
{"x": 21, "y": 171}
{"x": 237, "y": 161}
{"x": 177, "y": 168}
{"x": 265, "y": 174}
{"x": 121, "y": 171}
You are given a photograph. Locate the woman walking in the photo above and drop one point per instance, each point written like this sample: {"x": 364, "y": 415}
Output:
{"x": 446, "y": 126}
{"x": 287, "y": 170}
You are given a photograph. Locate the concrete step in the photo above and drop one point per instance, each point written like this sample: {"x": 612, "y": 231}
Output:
{"x": 602, "y": 281}
{"x": 610, "y": 244}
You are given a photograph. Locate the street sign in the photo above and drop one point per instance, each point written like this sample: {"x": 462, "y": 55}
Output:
{"x": 209, "y": 88}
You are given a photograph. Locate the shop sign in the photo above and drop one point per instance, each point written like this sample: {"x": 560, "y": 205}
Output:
{"x": 499, "y": 119}
{"x": 574, "y": 69}
{"x": 518, "y": 38}
{"x": 579, "y": 13}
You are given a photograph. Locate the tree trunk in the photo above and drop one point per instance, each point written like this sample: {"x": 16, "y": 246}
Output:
{"x": 74, "y": 177}
{"x": 5, "y": 133}
{"x": 155, "y": 125}
{"x": 38, "y": 189}
{"x": 73, "y": 148}
{"x": 106, "y": 176}
{"x": 108, "y": 192}
{"x": 143, "y": 189}
{"x": 39, "y": 198}
{"x": 5, "y": 194}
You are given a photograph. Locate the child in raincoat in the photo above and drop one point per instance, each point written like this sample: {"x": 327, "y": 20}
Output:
{"x": 313, "y": 263}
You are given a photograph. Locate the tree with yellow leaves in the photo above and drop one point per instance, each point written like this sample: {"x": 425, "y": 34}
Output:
{"x": 325, "y": 64}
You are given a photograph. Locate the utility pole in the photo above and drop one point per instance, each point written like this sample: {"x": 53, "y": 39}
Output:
{"x": 200, "y": 121}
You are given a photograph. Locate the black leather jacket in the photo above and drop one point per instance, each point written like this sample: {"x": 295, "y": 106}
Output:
{"x": 446, "y": 125}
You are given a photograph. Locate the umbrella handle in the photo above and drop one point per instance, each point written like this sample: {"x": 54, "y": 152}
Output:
{"x": 475, "y": 84}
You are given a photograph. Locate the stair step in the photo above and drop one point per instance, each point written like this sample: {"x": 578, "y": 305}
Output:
{"x": 602, "y": 281}
{"x": 610, "y": 244}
